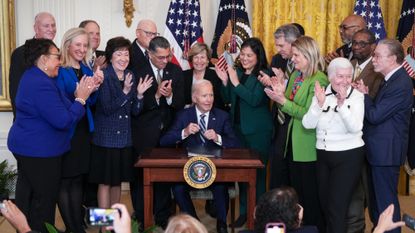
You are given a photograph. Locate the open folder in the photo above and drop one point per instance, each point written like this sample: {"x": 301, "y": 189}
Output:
{"x": 203, "y": 150}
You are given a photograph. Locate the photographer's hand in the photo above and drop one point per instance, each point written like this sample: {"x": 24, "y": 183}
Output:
{"x": 122, "y": 224}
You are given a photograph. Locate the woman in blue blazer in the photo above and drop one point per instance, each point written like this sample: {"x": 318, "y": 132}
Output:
{"x": 119, "y": 97}
{"x": 75, "y": 164}
{"x": 250, "y": 113}
{"x": 40, "y": 134}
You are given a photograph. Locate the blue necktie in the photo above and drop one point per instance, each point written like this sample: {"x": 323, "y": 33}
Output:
{"x": 202, "y": 127}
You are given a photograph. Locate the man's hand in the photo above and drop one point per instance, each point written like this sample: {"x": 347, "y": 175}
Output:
{"x": 330, "y": 56}
{"x": 122, "y": 223}
{"x": 15, "y": 217}
{"x": 192, "y": 128}
{"x": 210, "y": 134}
{"x": 360, "y": 86}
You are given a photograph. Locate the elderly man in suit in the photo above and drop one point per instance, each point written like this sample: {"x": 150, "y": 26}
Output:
{"x": 161, "y": 102}
{"x": 386, "y": 127}
{"x": 94, "y": 34}
{"x": 207, "y": 126}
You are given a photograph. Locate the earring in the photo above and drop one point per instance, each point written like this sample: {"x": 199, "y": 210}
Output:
{"x": 46, "y": 68}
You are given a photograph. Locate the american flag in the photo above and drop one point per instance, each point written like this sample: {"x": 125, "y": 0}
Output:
{"x": 370, "y": 10}
{"x": 183, "y": 29}
{"x": 406, "y": 35}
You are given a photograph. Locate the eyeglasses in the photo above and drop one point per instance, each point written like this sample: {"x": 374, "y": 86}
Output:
{"x": 149, "y": 34}
{"x": 162, "y": 58}
{"x": 361, "y": 44}
{"x": 345, "y": 27}
{"x": 58, "y": 55}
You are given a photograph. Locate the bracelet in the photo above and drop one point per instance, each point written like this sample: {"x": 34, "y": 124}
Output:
{"x": 80, "y": 100}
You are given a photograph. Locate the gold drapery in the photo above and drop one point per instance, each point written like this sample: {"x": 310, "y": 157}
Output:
{"x": 320, "y": 19}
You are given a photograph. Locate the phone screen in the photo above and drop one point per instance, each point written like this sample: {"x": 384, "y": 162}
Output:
{"x": 275, "y": 228}
{"x": 101, "y": 217}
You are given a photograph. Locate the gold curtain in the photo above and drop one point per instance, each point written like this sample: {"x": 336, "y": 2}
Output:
{"x": 320, "y": 19}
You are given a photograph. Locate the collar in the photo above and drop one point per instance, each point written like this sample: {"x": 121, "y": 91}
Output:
{"x": 154, "y": 68}
{"x": 364, "y": 64}
{"x": 198, "y": 113}
{"x": 141, "y": 47}
{"x": 387, "y": 77}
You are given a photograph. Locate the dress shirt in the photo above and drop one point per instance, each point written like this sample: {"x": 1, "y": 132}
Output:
{"x": 337, "y": 128}
{"x": 198, "y": 113}
{"x": 169, "y": 100}
{"x": 361, "y": 67}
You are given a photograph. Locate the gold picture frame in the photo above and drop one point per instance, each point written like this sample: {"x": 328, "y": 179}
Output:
{"x": 7, "y": 44}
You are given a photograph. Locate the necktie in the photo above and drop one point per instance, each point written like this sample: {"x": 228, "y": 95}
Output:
{"x": 92, "y": 61}
{"x": 288, "y": 71}
{"x": 158, "y": 78}
{"x": 357, "y": 72}
{"x": 202, "y": 127}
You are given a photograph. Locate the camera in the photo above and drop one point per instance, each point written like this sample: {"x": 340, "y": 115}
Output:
{"x": 100, "y": 216}
{"x": 275, "y": 227}
{"x": 409, "y": 221}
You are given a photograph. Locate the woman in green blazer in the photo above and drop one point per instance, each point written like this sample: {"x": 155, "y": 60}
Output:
{"x": 250, "y": 113}
{"x": 295, "y": 99}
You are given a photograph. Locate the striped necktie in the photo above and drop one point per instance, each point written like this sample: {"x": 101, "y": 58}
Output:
{"x": 202, "y": 127}
{"x": 158, "y": 78}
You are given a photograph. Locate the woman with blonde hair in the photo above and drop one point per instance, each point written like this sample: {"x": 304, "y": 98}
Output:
{"x": 183, "y": 223}
{"x": 295, "y": 99}
{"x": 75, "y": 50}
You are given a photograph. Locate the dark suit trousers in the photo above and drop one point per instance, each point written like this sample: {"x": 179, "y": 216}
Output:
{"x": 220, "y": 195}
{"x": 37, "y": 189}
{"x": 338, "y": 173}
{"x": 384, "y": 191}
{"x": 278, "y": 164}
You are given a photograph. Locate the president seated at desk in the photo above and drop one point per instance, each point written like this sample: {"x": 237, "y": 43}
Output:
{"x": 207, "y": 126}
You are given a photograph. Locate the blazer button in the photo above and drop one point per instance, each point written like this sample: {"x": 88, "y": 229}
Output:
{"x": 126, "y": 116}
{"x": 120, "y": 116}
{"x": 118, "y": 132}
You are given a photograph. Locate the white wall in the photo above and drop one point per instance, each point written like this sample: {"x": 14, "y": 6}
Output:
{"x": 109, "y": 14}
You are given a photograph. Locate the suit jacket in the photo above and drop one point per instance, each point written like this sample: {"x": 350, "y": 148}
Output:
{"x": 346, "y": 49}
{"x": 209, "y": 75}
{"x": 99, "y": 53}
{"x": 156, "y": 118}
{"x": 253, "y": 103}
{"x": 387, "y": 121}
{"x": 113, "y": 111}
{"x": 17, "y": 68}
{"x": 218, "y": 121}
{"x": 303, "y": 140}
{"x": 137, "y": 59}
{"x": 370, "y": 78}
{"x": 279, "y": 62}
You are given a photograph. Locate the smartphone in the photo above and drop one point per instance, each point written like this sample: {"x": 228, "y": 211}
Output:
{"x": 409, "y": 221}
{"x": 275, "y": 227}
{"x": 100, "y": 217}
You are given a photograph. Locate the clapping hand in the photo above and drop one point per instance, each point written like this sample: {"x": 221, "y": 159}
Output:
{"x": 264, "y": 78}
{"x": 85, "y": 87}
{"x": 98, "y": 77}
{"x": 320, "y": 94}
{"x": 341, "y": 95}
{"x": 277, "y": 90}
{"x": 128, "y": 83}
{"x": 233, "y": 76}
{"x": 222, "y": 74}
{"x": 278, "y": 72}
{"x": 360, "y": 86}
{"x": 143, "y": 85}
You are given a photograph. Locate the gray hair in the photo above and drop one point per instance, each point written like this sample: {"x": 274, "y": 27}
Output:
{"x": 199, "y": 83}
{"x": 339, "y": 62}
{"x": 289, "y": 31}
{"x": 395, "y": 48}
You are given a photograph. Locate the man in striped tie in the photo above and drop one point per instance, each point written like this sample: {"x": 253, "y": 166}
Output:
{"x": 202, "y": 125}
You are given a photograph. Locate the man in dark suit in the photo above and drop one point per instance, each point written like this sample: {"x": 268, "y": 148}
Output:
{"x": 94, "y": 33}
{"x": 386, "y": 127}
{"x": 44, "y": 27}
{"x": 161, "y": 102}
{"x": 363, "y": 45}
{"x": 347, "y": 28}
{"x": 207, "y": 126}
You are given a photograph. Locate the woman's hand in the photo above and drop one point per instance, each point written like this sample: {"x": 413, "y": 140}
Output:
{"x": 222, "y": 74}
{"x": 278, "y": 72}
{"x": 264, "y": 79}
{"x": 385, "y": 222}
{"x": 276, "y": 91}
{"x": 128, "y": 83}
{"x": 233, "y": 76}
{"x": 98, "y": 76}
{"x": 15, "y": 217}
{"x": 85, "y": 87}
{"x": 341, "y": 95}
{"x": 143, "y": 85}
{"x": 320, "y": 94}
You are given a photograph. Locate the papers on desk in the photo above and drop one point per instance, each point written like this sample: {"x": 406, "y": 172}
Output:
{"x": 205, "y": 151}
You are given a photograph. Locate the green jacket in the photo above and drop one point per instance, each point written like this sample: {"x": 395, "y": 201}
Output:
{"x": 254, "y": 105}
{"x": 303, "y": 140}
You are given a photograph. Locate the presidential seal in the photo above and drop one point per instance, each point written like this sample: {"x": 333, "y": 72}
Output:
{"x": 199, "y": 172}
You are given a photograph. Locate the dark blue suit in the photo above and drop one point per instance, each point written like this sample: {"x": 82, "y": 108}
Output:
{"x": 386, "y": 136}
{"x": 220, "y": 122}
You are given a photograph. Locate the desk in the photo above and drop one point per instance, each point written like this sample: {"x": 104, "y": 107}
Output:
{"x": 166, "y": 165}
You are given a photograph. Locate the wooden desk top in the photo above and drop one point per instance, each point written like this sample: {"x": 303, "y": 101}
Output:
{"x": 177, "y": 157}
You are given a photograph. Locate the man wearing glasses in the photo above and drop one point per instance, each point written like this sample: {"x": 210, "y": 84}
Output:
{"x": 386, "y": 127}
{"x": 161, "y": 102}
{"x": 347, "y": 28}
{"x": 363, "y": 45}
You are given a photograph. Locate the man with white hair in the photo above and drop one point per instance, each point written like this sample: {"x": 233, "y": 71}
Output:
{"x": 44, "y": 27}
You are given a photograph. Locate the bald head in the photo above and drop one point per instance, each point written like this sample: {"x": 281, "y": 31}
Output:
{"x": 350, "y": 25}
{"x": 146, "y": 30}
{"x": 45, "y": 26}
